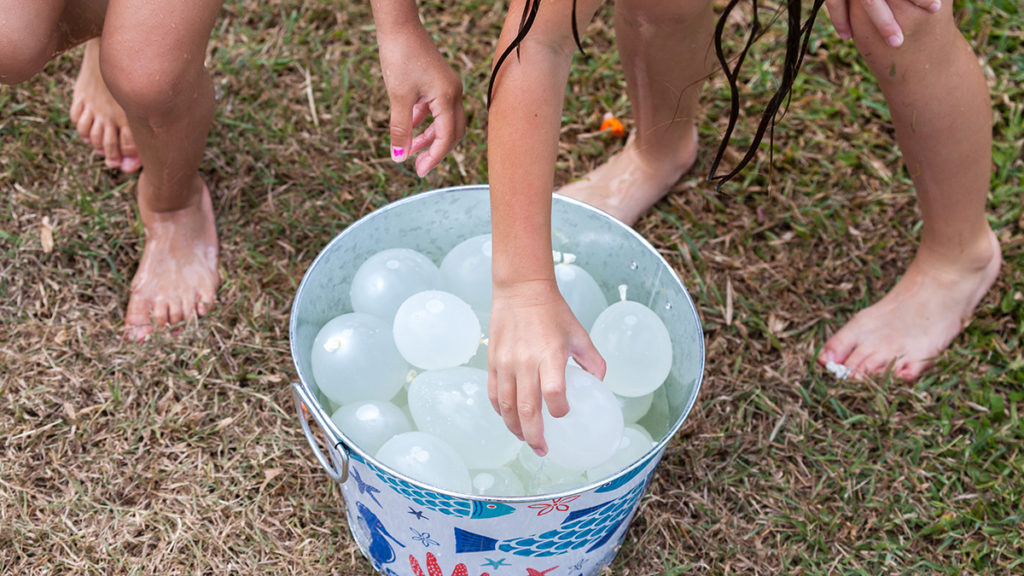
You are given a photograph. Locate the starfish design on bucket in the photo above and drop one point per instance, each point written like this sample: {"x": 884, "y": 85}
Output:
{"x": 560, "y": 504}
{"x": 434, "y": 569}
{"x": 494, "y": 563}
{"x": 532, "y": 572}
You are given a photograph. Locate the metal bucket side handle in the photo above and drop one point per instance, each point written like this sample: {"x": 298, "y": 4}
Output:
{"x": 306, "y": 405}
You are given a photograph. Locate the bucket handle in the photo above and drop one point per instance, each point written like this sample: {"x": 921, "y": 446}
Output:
{"x": 306, "y": 405}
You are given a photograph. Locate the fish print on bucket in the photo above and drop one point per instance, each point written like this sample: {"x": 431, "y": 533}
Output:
{"x": 588, "y": 528}
{"x": 380, "y": 549}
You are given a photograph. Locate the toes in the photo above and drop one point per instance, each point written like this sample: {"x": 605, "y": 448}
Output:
{"x": 111, "y": 147}
{"x": 130, "y": 161}
{"x": 838, "y": 348}
{"x": 96, "y": 136}
{"x": 176, "y": 312}
{"x": 161, "y": 313}
{"x": 77, "y": 108}
{"x": 138, "y": 324}
{"x": 84, "y": 124}
{"x": 910, "y": 370}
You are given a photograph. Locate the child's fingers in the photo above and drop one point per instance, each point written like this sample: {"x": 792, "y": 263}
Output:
{"x": 401, "y": 129}
{"x": 528, "y": 407}
{"x": 445, "y": 137}
{"x": 507, "y": 403}
{"x": 552, "y": 387}
{"x": 839, "y": 14}
{"x": 881, "y": 16}
{"x": 423, "y": 140}
{"x": 587, "y": 356}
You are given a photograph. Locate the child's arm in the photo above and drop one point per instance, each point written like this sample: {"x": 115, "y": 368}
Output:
{"x": 880, "y": 14}
{"x": 420, "y": 83}
{"x": 532, "y": 330}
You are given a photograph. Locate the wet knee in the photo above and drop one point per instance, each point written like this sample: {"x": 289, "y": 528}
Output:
{"x": 23, "y": 54}
{"x": 145, "y": 89}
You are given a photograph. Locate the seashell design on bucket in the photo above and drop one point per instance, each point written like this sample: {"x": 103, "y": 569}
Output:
{"x": 407, "y": 528}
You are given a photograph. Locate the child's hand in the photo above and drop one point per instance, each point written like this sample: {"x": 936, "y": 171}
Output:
{"x": 880, "y": 13}
{"x": 420, "y": 83}
{"x": 532, "y": 335}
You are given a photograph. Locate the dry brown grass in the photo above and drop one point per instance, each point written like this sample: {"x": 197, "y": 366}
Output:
{"x": 183, "y": 455}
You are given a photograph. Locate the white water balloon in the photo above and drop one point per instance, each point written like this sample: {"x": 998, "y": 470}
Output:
{"x": 590, "y": 433}
{"x": 436, "y": 329}
{"x": 634, "y": 409}
{"x": 497, "y": 482}
{"x": 453, "y": 405}
{"x": 466, "y": 271}
{"x": 388, "y": 278}
{"x": 354, "y": 358}
{"x": 636, "y": 347}
{"x": 371, "y": 423}
{"x": 427, "y": 458}
{"x": 635, "y": 443}
{"x": 581, "y": 293}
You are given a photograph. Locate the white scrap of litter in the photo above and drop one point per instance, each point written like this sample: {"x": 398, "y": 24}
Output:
{"x": 838, "y": 370}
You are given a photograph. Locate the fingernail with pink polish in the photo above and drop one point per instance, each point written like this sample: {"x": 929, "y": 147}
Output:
{"x": 845, "y": 35}
{"x": 895, "y": 40}
{"x": 935, "y": 7}
{"x": 397, "y": 153}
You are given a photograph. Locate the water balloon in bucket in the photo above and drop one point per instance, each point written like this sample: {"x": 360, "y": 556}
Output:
{"x": 635, "y": 443}
{"x": 635, "y": 345}
{"x": 453, "y": 405}
{"x": 354, "y": 358}
{"x": 634, "y": 409}
{"x": 591, "y": 431}
{"x": 497, "y": 482}
{"x": 388, "y": 278}
{"x": 541, "y": 475}
{"x": 371, "y": 423}
{"x": 580, "y": 290}
{"x": 436, "y": 329}
{"x": 466, "y": 271}
{"x": 427, "y": 458}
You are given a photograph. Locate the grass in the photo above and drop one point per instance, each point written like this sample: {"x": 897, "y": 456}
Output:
{"x": 183, "y": 455}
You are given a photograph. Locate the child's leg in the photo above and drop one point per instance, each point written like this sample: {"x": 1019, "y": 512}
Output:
{"x": 666, "y": 51}
{"x": 32, "y": 33}
{"x": 152, "y": 59}
{"x": 99, "y": 119}
{"x": 940, "y": 106}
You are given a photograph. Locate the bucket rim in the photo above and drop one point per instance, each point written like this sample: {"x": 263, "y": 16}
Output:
{"x": 338, "y": 439}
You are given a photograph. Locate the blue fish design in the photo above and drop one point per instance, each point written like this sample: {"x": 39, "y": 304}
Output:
{"x": 445, "y": 504}
{"x": 380, "y": 549}
{"x": 587, "y": 528}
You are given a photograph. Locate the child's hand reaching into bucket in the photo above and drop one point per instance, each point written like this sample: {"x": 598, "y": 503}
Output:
{"x": 420, "y": 83}
{"x": 532, "y": 334}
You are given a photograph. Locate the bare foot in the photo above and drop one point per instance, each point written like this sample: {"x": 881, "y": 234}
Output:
{"x": 177, "y": 277}
{"x": 918, "y": 319}
{"x": 99, "y": 119}
{"x": 634, "y": 179}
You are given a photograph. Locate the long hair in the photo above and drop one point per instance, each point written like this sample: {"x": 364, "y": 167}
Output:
{"x": 797, "y": 40}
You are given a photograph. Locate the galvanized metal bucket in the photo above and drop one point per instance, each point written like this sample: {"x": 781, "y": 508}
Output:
{"x": 405, "y": 527}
